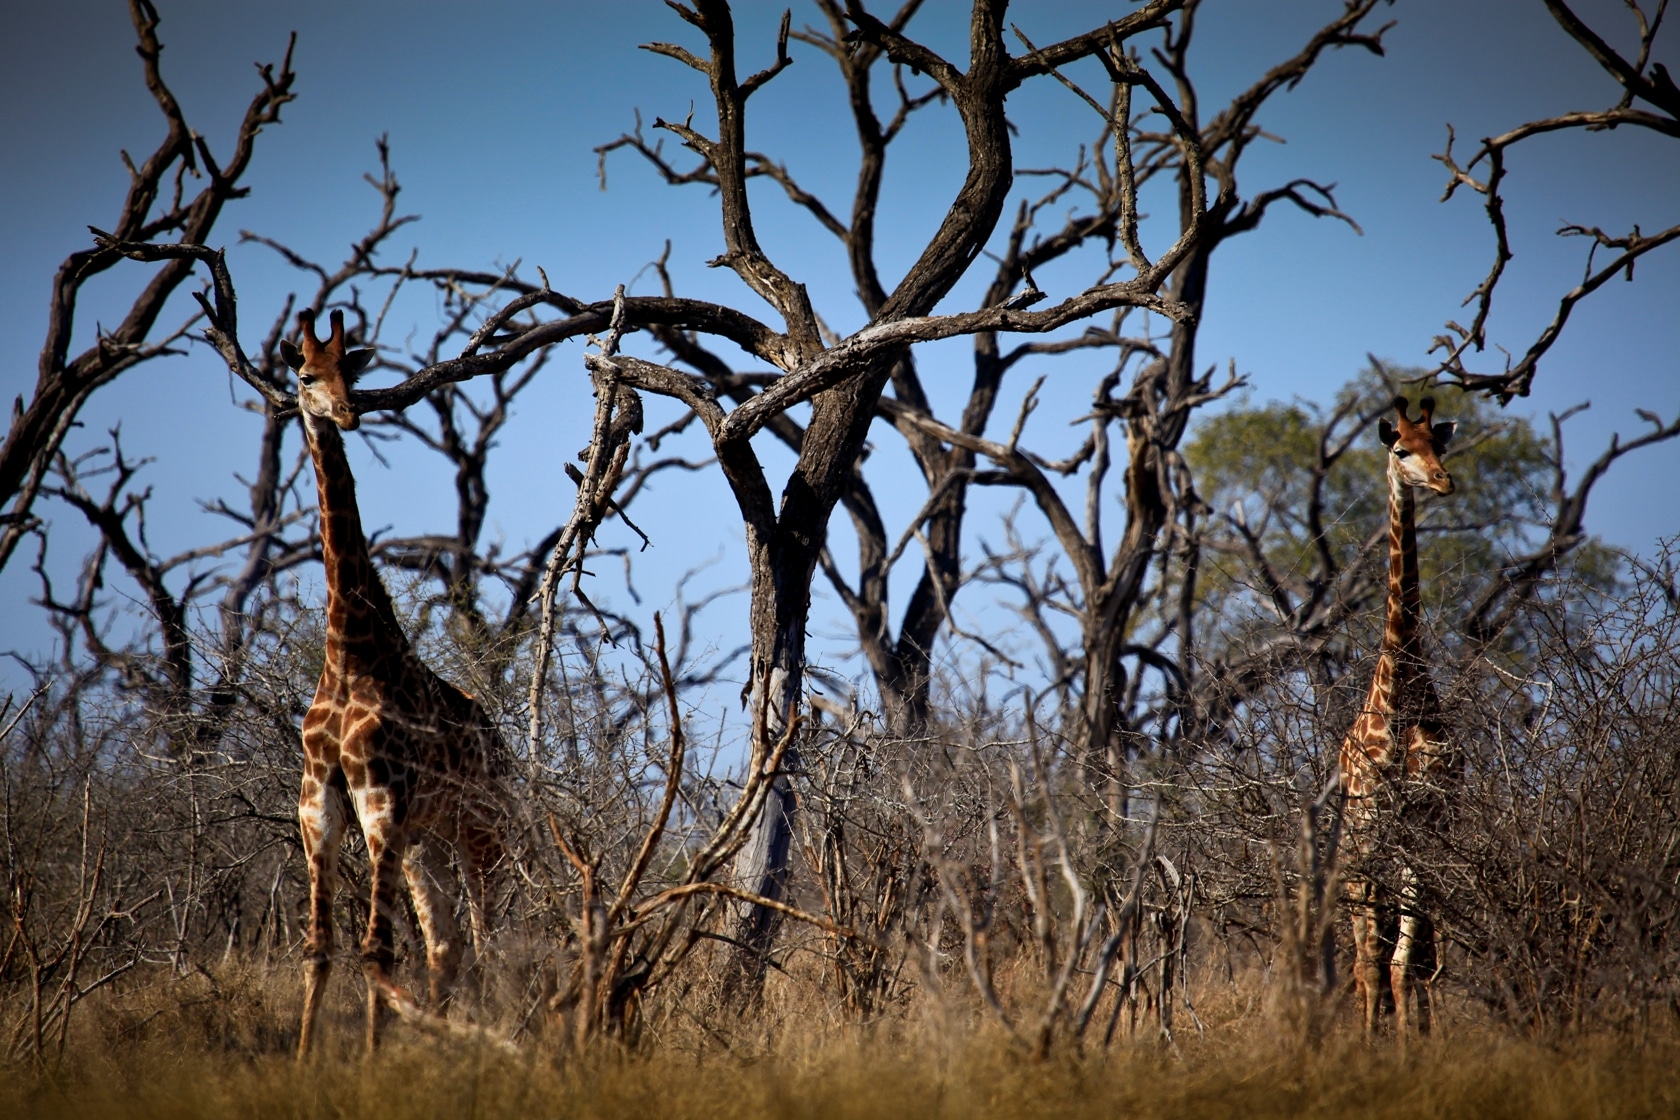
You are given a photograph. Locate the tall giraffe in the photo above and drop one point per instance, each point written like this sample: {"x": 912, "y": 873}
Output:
{"x": 417, "y": 758}
{"x": 1398, "y": 733}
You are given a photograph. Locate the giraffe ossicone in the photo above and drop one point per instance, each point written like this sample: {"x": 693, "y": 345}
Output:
{"x": 417, "y": 760}
{"x": 1398, "y": 736}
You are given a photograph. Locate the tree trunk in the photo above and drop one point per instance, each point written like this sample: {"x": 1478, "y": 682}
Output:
{"x": 784, "y": 559}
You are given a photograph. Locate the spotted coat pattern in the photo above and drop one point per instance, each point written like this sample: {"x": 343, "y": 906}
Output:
{"x": 413, "y": 757}
{"x": 1397, "y": 751}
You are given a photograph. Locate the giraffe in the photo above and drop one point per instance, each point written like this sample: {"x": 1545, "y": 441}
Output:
{"x": 1398, "y": 733}
{"x": 416, "y": 758}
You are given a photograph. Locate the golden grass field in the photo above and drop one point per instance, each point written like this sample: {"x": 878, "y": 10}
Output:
{"x": 218, "y": 1045}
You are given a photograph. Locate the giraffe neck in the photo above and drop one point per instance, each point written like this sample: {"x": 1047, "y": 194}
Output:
{"x": 1399, "y": 671}
{"x": 361, "y": 623}
{"x": 1400, "y": 631}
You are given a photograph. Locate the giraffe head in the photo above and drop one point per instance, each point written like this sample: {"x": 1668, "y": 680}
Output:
{"x": 325, "y": 372}
{"x": 1415, "y": 448}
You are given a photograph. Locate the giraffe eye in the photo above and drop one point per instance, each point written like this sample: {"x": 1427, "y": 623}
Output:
{"x": 1401, "y": 453}
{"x": 306, "y": 379}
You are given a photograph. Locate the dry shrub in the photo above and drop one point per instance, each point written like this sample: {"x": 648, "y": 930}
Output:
{"x": 989, "y": 934}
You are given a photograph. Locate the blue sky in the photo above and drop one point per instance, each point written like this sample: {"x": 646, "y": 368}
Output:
{"x": 492, "y": 111}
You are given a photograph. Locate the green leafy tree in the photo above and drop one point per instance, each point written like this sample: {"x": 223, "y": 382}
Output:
{"x": 1295, "y": 543}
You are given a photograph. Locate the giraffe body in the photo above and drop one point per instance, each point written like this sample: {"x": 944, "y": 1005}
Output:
{"x": 1398, "y": 743}
{"x": 412, "y": 756}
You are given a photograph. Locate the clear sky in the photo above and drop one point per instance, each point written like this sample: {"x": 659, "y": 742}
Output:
{"x": 492, "y": 111}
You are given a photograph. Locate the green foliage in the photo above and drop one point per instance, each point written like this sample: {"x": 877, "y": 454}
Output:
{"x": 1258, "y": 466}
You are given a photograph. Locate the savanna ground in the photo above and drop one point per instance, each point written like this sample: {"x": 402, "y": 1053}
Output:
{"x": 218, "y": 1045}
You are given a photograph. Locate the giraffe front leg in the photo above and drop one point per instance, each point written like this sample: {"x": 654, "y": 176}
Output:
{"x": 1425, "y": 985}
{"x": 1429, "y": 971}
{"x": 387, "y": 844}
{"x": 1367, "y": 949}
{"x": 425, "y": 871}
{"x": 1402, "y": 967}
{"x": 321, "y": 823}
{"x": 481, "y": 852}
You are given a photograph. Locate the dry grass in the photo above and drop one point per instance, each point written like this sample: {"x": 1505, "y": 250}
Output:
{"x": 218, "y": 1045}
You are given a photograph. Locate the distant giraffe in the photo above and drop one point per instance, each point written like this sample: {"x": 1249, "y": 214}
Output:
{"x": 416, "y": 756}
{"x": 1398, "y": 734}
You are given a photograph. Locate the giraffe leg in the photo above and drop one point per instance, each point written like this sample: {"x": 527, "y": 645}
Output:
{"x": 481, "y": 850}
{"x": 1426, "y": 962}
{"x": 321, "y": 823}
{"x": 387, "y": 844}
{"x": 1424, "y": 983}
{"x": 1401, "y": 968}
{"x": 1367, "y": 950}
{"x": 426, "y": 873}
{"x": 1429, "y": 971}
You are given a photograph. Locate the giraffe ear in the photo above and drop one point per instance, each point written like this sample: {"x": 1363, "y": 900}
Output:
{"x": 1387, "y": 433}
{"x": 353, "y": 363}
{"x": 291, "y": 355}
{"x": 1443, "y": 432}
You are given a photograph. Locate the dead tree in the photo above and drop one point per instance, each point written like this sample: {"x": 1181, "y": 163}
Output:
{"x": 1127, "y": 155}
{"x": 1155, "y": 386}
{"x": 840, "y": 379}
{"x": 271, "y": 537}
{"x": 843, "y": 379}
{"x": 157, "y": 205}
{"x": 1643, "y": 81}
